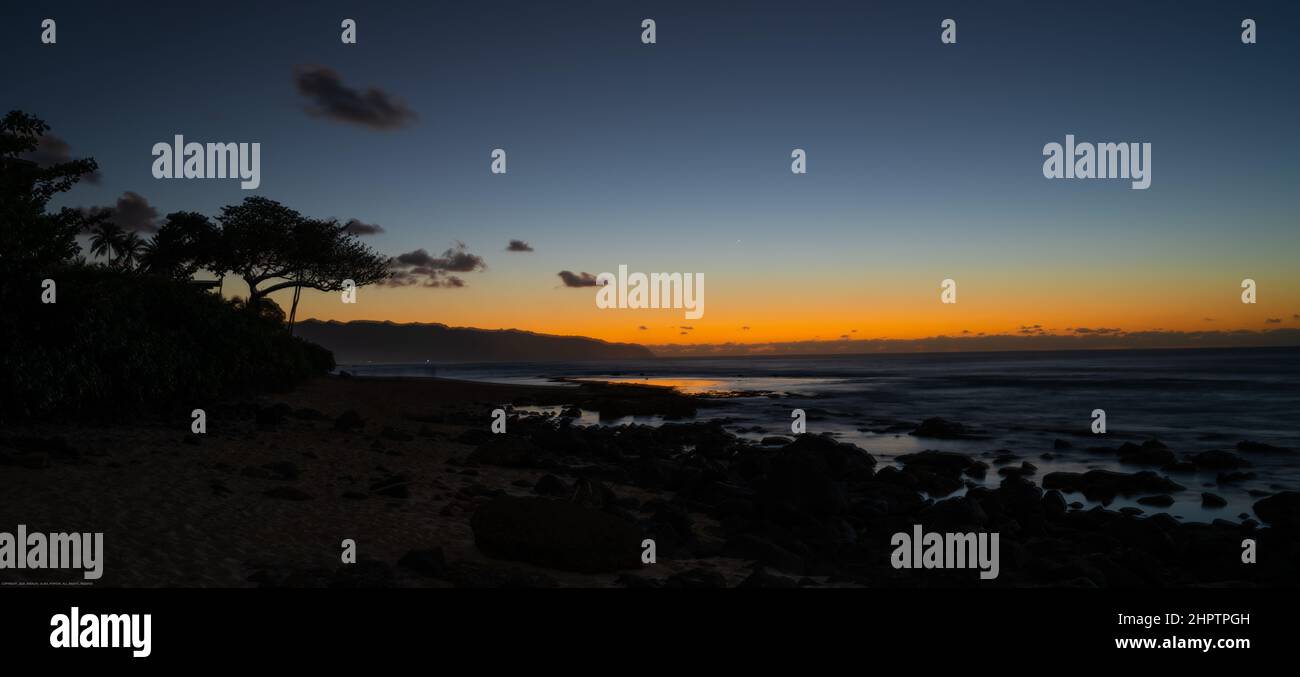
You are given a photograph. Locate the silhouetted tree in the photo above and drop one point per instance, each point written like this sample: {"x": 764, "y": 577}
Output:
{"x": 267, "y": 243}
{"x": 185, "y": 243}
{"x": 105, "y": 239}
{"x": 129, "y": 249}
{"x": 32, "y": 240}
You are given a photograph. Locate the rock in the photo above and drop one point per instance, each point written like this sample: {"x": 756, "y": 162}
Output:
{"x": 1218, "y": 460}
{"x": 1281, "y": 510}
{"x": 429, "y": 562}
{"x": 1234, "y": 477}
{"x": 1151, "y": 452}
{"x": 571, "y": 411}
{"x": 810, "y": 474}
{"x": 958, "y": 514}
{"x": 1247, "y": 447}
{"x": 1020, "y": 493}
{"x": 1161, "y": 501}
{"x": 1209, "y": 500}
{"x": 1106, "y": 484}
{"x": 947, "y": 462}
{"x": 1003, "y": 457}
{"x": 556, "y": 534}
{"x": 1054, "y": 503}
{"x": 592, "y": 494}
{"x": 348, "y": 421}
{"x": 933, "y": 483}
{"x": 942, "y": 429}
{"x": 1024, "y": 470}
{"x": 288, "y": 494}
{"x": 550, "y": 485}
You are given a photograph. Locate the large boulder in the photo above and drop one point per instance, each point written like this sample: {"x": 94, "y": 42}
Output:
{"x": 1280, "y": 510}
{"x": 945, "y": 462}
{"x": 556, "y": 534}
{"x": 810, "y": 474}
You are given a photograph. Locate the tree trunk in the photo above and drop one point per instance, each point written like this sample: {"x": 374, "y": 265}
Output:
{"x": 253, "y": 297}
{"x": 293, "y": 310}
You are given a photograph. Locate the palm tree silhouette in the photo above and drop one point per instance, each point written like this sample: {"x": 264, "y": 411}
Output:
{"x": 129, "y": 248}
{"x": 106, "y": 239}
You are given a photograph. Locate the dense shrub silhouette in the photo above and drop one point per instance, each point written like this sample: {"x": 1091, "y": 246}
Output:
{"x": 118, "y": 342}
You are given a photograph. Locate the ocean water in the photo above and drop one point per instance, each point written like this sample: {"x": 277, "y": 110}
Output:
{"x": 1192, "y": 400}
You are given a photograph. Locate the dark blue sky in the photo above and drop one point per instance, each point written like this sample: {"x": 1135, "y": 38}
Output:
{"x": 920, "y": 154}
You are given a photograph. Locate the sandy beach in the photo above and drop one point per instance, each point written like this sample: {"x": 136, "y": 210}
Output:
{"x": 192, "y": 510}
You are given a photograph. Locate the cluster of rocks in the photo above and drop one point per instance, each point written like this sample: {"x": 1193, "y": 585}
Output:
{"x": 804, "y": 510}
{"x": 816, "y": 507}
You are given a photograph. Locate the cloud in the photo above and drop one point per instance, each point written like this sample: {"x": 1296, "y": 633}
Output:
{"x": 1273, "y": 320}
{"x": 1100, "y": 331}
{"x": 132, "y": 213}
{"x": 577, "y": 279}
{"x": 356, "y": 227}
{"x": 420, "y": 268}
{"x": 1296, "y": 316}
{"x": 643, "y": 327}
{"x": 52, "y": 150}
{"x": 519, "y": 246}
{"x": 330, "y": 98}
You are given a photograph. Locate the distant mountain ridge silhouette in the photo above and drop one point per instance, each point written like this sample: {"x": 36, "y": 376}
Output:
{"x": 384, "y": 341}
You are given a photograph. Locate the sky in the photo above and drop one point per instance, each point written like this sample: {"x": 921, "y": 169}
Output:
{"x": 924, "y": 159}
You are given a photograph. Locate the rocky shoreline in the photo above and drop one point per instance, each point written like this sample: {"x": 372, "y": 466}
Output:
{"x": 410, "y": 470}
